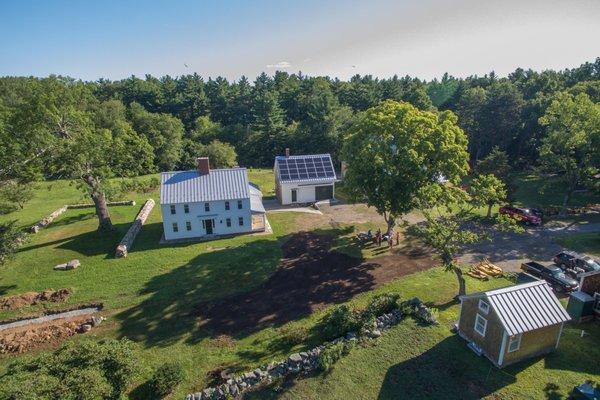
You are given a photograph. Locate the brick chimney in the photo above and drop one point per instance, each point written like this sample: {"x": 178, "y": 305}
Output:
{"x": 287, "y": 151}
{"x": 203, "y": 165}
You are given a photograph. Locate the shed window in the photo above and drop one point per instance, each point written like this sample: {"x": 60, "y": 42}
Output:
{"x": 480, "y": 325}
{"x": 514, "y": 343}
{"x": 228, "y": 222}
{"x": 175, "y": 227}
{"x": 186, "y": 208}
{"x": 484, "y": 307}
{"x": 226, "y": 205}
{"x": 241, "y": 221}
{"x": 173, "y": 209}
{"x": 239, "y": 204}
{"x": 207, "y": 207}
{"x": 188, "y": 225}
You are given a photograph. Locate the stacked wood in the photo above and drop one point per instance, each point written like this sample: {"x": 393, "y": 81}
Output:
{"x": 484, "y": 269}
{"x": 127, "y": 241}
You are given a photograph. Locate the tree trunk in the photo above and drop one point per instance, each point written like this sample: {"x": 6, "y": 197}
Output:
{"x": 104, "y": 222}
{"x": 563, "y": 210}
{"x": 462, "y": 289}
{"x": 99, "y": 199}
{"x": 489, "y": 211}
{"x": 391, "y": 223}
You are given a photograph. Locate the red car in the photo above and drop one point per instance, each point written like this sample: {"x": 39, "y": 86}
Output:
{"x": 522, "y": 214}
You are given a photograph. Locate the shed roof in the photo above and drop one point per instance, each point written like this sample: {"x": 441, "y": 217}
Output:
{"x": 526, "y": 307}
{"x": 191, "y": 186}
{"x": 305, "y": 168}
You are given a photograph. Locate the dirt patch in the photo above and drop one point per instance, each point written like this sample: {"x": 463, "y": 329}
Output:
{"x": 309, "y": 277}
{"x": 33, "y": 298}
{"x": 48, "y": 334}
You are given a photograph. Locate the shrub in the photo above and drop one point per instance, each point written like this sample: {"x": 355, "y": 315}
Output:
{"x": 166, "y": 378}
{"x": 14, "y": 194}
{"x": 340, "y": 321}
{"x": 332, "y": 353}
{"x": 294, "y": 336}
{"x": 383, "y": 303}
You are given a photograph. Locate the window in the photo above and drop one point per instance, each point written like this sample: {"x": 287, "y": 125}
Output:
{"x": 172, "y": 209}
{"x": 175, "y": 227}
{"x": 188, "y": 225}
{"x": 186, "y": 208}
{"x": 228, "y": 222}
{"x": 484, "y": 307}
{"x": 206, "y": 207}
{"x": 239, "y": 205}
{"x": 241, "y": 221}
{"x": 226, "y": 205}
{"x": 480, "y": 324}
{"x": 514, "y": 343}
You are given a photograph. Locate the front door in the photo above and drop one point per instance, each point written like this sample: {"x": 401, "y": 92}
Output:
{"x": 208, "y": 224}
{"x": 294, "y": 195}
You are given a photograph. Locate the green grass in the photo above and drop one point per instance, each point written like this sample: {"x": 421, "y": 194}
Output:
{"x": 150, "y": 295}
{"x": 588, "y": 243}
{"x": 540, "y": 191}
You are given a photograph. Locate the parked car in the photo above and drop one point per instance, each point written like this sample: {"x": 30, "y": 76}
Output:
{"x": 585, "y": 391}
{"x": 551, "y": 274}
{"x": 525, "y": 215}
{"x": 574, "y": 263}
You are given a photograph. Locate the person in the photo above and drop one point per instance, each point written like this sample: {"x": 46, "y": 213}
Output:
{"x": 369, "y": 234}
{"x": 397, "y": 238}
{"x": 391, "y": 239}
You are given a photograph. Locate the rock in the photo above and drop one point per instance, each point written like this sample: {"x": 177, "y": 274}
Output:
{"x": 375, "y": 333}
{"x": 85, "y": 328}
{"x": 60, "y": 267}
{"x": 296, "y": 358}
{"x": 197, "y": 396}
{"x": 73, "y": 264}
{"x": 96, "y": 321}
{"x": 303, "y": 354}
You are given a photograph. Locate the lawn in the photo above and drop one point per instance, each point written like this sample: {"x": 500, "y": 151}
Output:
{"x": 588, "y": 243}
{"x": 542, "y": 191}
{"x": 150, "y": 297}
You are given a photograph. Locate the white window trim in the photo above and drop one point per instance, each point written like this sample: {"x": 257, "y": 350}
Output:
{"x": 173, "y": 209}
{"x": 186, "y": 208}
{"x": 484, "y": 306}
{"x": 188, "y": 225}
{"x": 477, "y": 317}
{"x": 512, "y": 339}
{"x": 175, "y": 227}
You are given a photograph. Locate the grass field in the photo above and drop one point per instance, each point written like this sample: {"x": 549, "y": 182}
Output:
{"x": 539, "y": 191}
{"x": 150, "y": 295}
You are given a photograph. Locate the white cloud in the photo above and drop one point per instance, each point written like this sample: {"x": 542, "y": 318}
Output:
{"x": 307, "y": 60}
{"x": 280, "y": 65}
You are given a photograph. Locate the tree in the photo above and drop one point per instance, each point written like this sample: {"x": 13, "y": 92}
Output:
{"x": 488, "y": 190}
{"x": 13, "y": 192}
{"x": 469, "y": 110}
{"x": 448, "y": 226}
{"x": 573, "y": 141}
{"x": 164, "y": 133}
{"x": 496, "y": 162}
{"x": 394, "y": 150}
{"x": 11, "y": 238}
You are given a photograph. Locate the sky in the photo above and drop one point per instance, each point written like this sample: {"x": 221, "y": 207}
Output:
{"x": 115, "y": 39}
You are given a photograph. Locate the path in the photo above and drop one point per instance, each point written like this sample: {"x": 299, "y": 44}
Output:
{"x": 509, "y": 250}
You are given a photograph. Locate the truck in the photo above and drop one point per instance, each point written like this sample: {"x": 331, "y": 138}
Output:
{"x": 551, "y": 274}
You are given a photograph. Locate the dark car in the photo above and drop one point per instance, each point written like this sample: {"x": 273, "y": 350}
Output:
{"x": 574, "y": 263}
{"x": 585, "y": 391}
{"x": 551, "y": 274}
{"x": 525, "y": 215}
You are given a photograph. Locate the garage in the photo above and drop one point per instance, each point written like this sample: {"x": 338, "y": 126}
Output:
{"x": 323, "y": 192}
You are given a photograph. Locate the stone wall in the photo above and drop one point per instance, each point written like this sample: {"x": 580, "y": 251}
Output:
{"x": 127, "y": 241}
{"x": 296, "y": 364}
{"x": 110, "y": 204}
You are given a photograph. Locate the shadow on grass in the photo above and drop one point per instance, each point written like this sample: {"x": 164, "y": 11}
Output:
{"x": 446, "y": 371}
{"x": 5, "y": 288}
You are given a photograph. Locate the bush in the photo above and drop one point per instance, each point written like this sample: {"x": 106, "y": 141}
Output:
{"x": 85, "y": 370}
{"x": 14, "y": 194}
{"x": 383, "y": 303}
{"x": 340, "y": 321}
{"x": 294, "y": 336}
{"x": 166, "y": 378}
{"x": 139, "y": 185}
{"x": 332, "y": 353}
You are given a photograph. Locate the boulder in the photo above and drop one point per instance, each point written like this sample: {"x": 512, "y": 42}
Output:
{"x": 295, "y": 358}
{"x": 60, "y": 267}
{"x": 85, "y": 328}
{"x": 375, "y": 333}
{"x": 73, "y": 264}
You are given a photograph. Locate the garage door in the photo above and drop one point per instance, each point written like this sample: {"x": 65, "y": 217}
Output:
{"x": 323, "y": 192}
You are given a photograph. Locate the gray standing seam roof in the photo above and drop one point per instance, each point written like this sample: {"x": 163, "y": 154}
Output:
{"x": 526, "y": 307}
{"x": 191, "y": 186}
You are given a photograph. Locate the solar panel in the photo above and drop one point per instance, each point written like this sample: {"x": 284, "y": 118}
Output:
{"x": 305, "y": 168}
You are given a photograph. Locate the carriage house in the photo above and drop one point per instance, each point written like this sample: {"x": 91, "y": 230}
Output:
{"x": 304, "y": 178}
{"x": 204, "y": 203}
{"x": 512, "y": 324}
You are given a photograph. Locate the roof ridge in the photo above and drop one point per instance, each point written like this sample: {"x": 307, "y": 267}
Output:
{"x": 514, "y": 288}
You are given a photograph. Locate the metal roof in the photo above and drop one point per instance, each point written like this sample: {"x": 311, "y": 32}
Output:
{"x": 526, "y": 307}
{"x": 256, "y": 204}
{"x": 305, "y": 168}
{"x": 192, "y": 187}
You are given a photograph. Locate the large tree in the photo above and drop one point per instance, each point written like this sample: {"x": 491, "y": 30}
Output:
{"x": 572, "y": 144}
{"x": 395, "y": 149}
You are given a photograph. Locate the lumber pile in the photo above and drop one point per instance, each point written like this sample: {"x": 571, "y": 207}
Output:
{"x": 484, "y": 269}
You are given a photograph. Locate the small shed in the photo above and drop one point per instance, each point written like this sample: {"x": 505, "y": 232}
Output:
{"x": 304, "y": 178}
{"x": 512, "y": 324}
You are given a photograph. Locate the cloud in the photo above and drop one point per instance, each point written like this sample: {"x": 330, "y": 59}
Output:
{"x": 307, "y": 60}
{"x": 280, "y": 65}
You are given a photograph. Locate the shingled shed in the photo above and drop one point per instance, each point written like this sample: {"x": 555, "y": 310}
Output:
{"x": 514, "y": 323}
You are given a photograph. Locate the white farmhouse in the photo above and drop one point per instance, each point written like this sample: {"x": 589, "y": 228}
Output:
{"x": 304, "y": 179}
{"x": 205, "y": 203}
